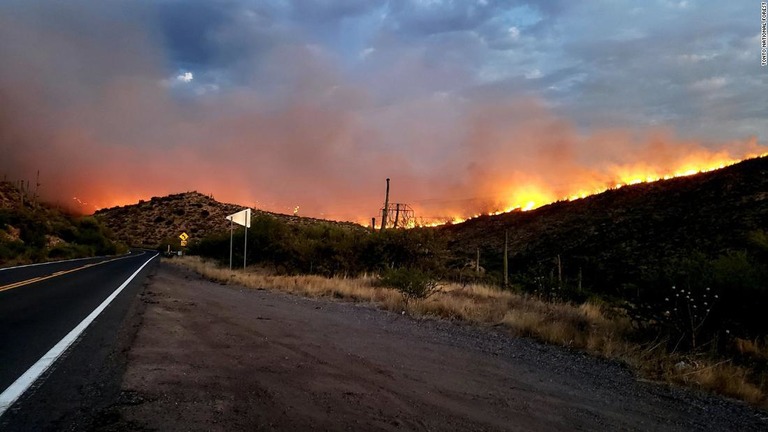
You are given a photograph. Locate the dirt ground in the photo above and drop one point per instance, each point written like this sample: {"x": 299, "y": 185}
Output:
{"x": 225, "y": 358}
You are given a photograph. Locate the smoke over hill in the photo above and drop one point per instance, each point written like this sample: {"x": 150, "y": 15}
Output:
{"x": 96, "y": 112}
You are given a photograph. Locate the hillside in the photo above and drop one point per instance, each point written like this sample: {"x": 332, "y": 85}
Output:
{"x": 161, "y": 219}
{"x": 11, "y": 196}
{"x": 34, "y": 232}
{"x": 628, "y": 246}
{"x": 633, "y": 238}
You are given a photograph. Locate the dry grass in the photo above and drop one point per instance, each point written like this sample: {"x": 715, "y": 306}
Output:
{"x": 357, "y": 289}
{"x": 723, "y": 377}
{"x": 735, "y": 380}
{"x": 754, "y": 349}
{"x": 585, "y": 326}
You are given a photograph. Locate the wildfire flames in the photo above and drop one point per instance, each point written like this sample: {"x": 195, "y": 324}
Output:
{"x": 304, "y": 135}
{"x": 532, "y": 196}
{"x": 508, "y": 196}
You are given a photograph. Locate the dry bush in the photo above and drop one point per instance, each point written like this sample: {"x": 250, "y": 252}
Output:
{"x": 584, "y": 326}
{"x": 728, "y": 380}
{"x": 754, "y": 350}
{"x": 719, "y": 377}
{"x": 443, "y": 305}
{"x": 358, "y": 289}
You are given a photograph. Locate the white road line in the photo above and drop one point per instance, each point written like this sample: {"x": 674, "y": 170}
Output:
{"x": 15, "y": 390}
{"x": 54, "y": 262}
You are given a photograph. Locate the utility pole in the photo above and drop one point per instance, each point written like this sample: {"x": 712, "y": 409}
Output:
{"x": 559, "y": 270}
{"x": 385, "y": 209}
{"x": 397, "y": 213}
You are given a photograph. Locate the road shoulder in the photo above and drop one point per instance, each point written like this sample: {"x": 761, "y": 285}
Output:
{"x": 213, "y": 357}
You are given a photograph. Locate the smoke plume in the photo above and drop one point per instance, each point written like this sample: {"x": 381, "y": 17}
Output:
{"x": 88, "y": 100}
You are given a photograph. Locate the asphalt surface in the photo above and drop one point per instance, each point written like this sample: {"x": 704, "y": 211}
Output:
{"x": 9, "y": 275}
{"x": 36, "y": 316}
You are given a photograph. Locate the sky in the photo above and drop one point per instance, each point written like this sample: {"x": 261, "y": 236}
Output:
{"x": 468, "y": 106}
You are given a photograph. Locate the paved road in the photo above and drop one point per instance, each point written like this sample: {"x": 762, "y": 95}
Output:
{"x": 9, "y": 275}
{"x": 41, "y": 305}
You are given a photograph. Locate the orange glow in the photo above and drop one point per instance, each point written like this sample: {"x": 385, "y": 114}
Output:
{"x": 516, "y": 156}
{"x": 88, "y": 207}
{"x": 530, "y": 197}
{"x": 319, "y": 142}
{"x": 517, "y": 196}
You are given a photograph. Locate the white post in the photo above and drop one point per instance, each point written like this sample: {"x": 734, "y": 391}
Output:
{"x": 245, "y": 245}
{"x": 231, "y": 222}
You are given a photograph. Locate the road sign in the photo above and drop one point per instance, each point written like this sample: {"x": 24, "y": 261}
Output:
{"x": 183, "y": 243}
{"x": 184, "y": 237}
{"x": 241, "y": 218}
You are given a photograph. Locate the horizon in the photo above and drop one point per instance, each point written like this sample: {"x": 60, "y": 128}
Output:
{"x": 450, "y": 221}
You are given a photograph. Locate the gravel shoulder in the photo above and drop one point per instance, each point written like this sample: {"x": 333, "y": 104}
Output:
{"x": 213, "y": 357}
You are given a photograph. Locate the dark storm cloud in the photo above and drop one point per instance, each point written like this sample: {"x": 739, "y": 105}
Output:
{"x": 332, "y": 10}
{"x": 189, "y": 29}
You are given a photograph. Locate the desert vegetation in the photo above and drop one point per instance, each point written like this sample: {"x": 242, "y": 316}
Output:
{"x": 327, "y": 249}
{"x": 598, "y": 328}
{"x": 689, "y": 324}
{"x": 675, "y": 271}
{"x": 29, "y": 237}
{"x": 160, "y": 220}
{"x": 35, "y": 232}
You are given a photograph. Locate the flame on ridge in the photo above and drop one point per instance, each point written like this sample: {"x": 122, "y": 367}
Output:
{"x": 532, "y": 196}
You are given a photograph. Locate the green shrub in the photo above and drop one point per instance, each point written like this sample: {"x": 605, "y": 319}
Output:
{"x": 68, "y": 251}
{"x": 326, "y": 249}
{"x": 413, "y": 284}
{"x": 82, "y": 236}
{"x": 11, "y": 250}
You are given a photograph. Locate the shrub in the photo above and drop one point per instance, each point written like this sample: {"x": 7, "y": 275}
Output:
{"x": 413, "y": 284}
{"x": 11, "y": 250}
{"x": 82, "y": 236}
{"x": 69, "y": 251}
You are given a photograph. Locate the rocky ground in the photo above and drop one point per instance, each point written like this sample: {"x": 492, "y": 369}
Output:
{"x": 160, "y": 220}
